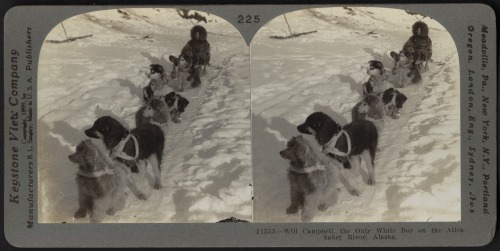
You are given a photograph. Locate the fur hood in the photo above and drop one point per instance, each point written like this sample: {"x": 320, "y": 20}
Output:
{"x": 202, "y": 33}
{"x": 424, "y": 29}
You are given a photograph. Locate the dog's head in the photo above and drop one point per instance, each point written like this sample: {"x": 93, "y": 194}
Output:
{"x": 321, "y": 126}
{"x": 420, "y": 29}
{"x": 391, "y": 94}
{"x": 372, "y": 106}
{"x": 403, "y": 58}
{"x": 298, "y": 153}
{"x": 198, "y": 33}
{"x": 176, "y": 101}
{"x": 156, "y": 72}
{"x": 182, "y": 62}
{"x": 157, "y": 110}
{"x": 375, "y": 67}
{"x": 87, "y": 157}
{"x": 109, "y": 130}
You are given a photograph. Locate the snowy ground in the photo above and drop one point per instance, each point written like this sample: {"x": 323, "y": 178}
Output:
{"x": 418, "y": 165}
{"x": 206, "y": 173}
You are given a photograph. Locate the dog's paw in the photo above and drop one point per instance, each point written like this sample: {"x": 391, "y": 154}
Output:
{"x": 111, "y": 212}
{"x": 80, "y": 213}
{"x": 395, "y": 116}
{"x": 306, "y": 218}
{"x": 142, "y": 196}
{"x": 370, "y": 182}
{"x": 322, "y": 207}
{"x": 157, "y": 185}
{"x": 292, "y": 210}
{"x": 176, "y": 120}
{"x": 354, "y": 192}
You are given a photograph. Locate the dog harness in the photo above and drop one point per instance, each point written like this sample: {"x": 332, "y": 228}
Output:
{"x": 330, "y": 146}
{"x": 158, "y": 124}
{"x": 309, "y": 169}
{"x": 175, "y": 104}
{"x": 118, "y": 150}
{"x": 393, "y": 100}
{"x": 97, "y": 174}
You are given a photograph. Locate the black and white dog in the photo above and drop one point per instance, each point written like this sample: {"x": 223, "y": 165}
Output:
{"x": 158, "y": 83}
{"x": 377, "y": 81}
{"x": 405, "y": 70}
{"x": 186, "y": 75}
{"x": 393, "y": 101}
{"x": 346, "y": 144}
{"x": 146, "y": 142}
{"x": 177, "y": 105}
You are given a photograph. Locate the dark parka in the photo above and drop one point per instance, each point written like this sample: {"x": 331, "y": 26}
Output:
{"x": 198, "y": 47}
{"x": 419, "y": 46}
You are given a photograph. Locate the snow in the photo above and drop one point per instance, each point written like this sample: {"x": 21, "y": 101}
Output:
{"x": 418, "y": 165}
{"x": 206, "y": 172}
{"x": 223, "y": 153}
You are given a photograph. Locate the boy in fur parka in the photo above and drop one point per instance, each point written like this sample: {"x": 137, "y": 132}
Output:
{"x": 419, "y": 46}
{"x": 198, "y": 47}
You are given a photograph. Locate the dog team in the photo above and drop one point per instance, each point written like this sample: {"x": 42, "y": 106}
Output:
{"x": 317, "y": 158}
{"x": 119, "y": 156}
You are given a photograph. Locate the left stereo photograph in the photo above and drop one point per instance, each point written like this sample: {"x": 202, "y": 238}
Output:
{"x": 144, "y": 117}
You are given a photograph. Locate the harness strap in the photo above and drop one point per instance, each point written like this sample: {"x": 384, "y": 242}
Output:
{"x": 97, "y": 174}
{"x": 393, "y": 100}
{"x": 158, "y": 124}
{"x": 118, "y": 150}
{"x": 307, "y": 170}
{"x": 175, "y": 105}
{"x": 330, "y": 146}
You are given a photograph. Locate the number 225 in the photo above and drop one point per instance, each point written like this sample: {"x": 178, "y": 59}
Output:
{"x": 248, "y": 19}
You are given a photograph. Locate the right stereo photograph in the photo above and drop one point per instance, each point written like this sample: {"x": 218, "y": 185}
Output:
{"x": 355, "y": 118}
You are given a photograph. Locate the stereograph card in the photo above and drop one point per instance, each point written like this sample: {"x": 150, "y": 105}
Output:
{"x": 250, "y": 125}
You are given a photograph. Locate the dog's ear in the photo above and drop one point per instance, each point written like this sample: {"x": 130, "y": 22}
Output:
{"x": 174, "y": 60}
{"x": 395, "y": 56}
